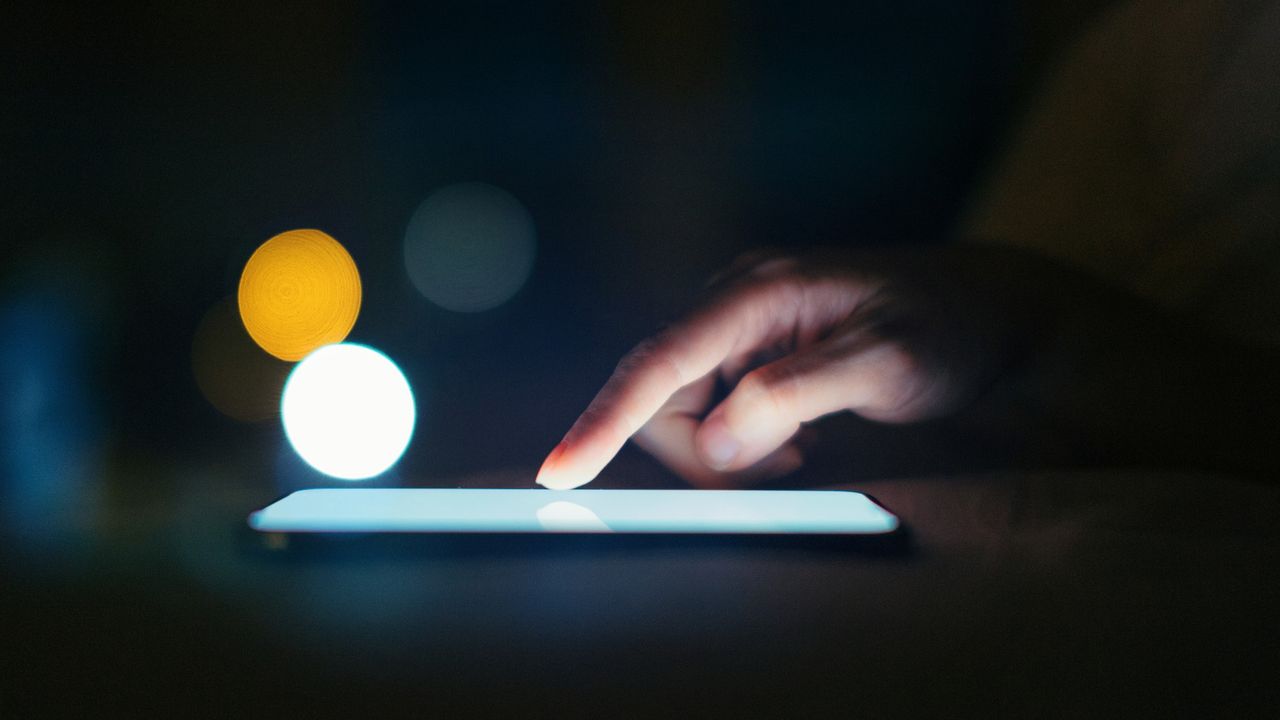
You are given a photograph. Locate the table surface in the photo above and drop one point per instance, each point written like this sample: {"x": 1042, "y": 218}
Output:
{"x": 1061, "y": 594}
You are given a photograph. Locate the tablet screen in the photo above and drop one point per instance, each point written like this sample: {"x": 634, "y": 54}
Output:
{"x": 363, "y": 510}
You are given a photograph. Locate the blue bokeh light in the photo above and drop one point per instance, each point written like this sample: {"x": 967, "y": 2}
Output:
{"x": 51, "y": 440}
{"x": 469, "y": 247}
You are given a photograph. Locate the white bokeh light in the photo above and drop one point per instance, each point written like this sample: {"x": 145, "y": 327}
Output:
{"x": 348, "y": 411}
{"x": 469, "y": 247}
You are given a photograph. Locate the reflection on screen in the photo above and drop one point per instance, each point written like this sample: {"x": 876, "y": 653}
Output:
{"x": 561, "y": 516}
{"x": 575, "y": 511}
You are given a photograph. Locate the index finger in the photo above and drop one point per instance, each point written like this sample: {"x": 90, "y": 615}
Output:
{"x": 643, "y": 382}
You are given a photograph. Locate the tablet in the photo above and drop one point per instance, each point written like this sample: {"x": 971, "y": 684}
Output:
{"x": 700, "y": 512}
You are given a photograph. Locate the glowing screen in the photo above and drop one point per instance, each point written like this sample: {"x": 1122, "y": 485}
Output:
{"x": 585, "y": 511}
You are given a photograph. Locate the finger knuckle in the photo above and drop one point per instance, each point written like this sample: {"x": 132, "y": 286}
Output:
{"x": 766, "y": 300}
{"x": 775, "y": 267}
{"x": 775, "y": 387}
{"x": 902, "y": 378}
{"x": 898, "y": 360}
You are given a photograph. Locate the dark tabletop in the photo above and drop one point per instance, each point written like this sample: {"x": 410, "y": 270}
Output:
{"x": 1052, "y": 594}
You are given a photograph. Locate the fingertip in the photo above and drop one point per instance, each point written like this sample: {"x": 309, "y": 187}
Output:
{"x": 555, "y": 475}
{"x": 547, "y": 473}
{"x": 723, "y": 449}
{"x": 717, "y": 446}
{"x": 553, "y": 480}
{"x": 782, "y": 462}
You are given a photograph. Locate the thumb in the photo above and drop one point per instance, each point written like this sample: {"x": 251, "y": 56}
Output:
{"x": 769, "y": 403}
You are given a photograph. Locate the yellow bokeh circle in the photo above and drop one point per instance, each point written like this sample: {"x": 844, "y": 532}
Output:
{"x": 300, "y": 290}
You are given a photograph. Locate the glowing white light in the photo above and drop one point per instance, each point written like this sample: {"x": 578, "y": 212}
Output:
{"x": 469, "y": 247}
{"x": 348, "y": 411}
{"x": 563, "y": 516}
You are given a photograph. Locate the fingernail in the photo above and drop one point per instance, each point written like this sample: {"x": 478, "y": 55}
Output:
{"x": 548, "y": 465}
{"x": 719, "y": 445}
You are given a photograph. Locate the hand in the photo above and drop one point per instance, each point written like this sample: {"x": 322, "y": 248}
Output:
{"x": 893, "y": 338}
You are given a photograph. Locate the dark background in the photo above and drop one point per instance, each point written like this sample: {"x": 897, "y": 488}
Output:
{"x": 147, "y": 150}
